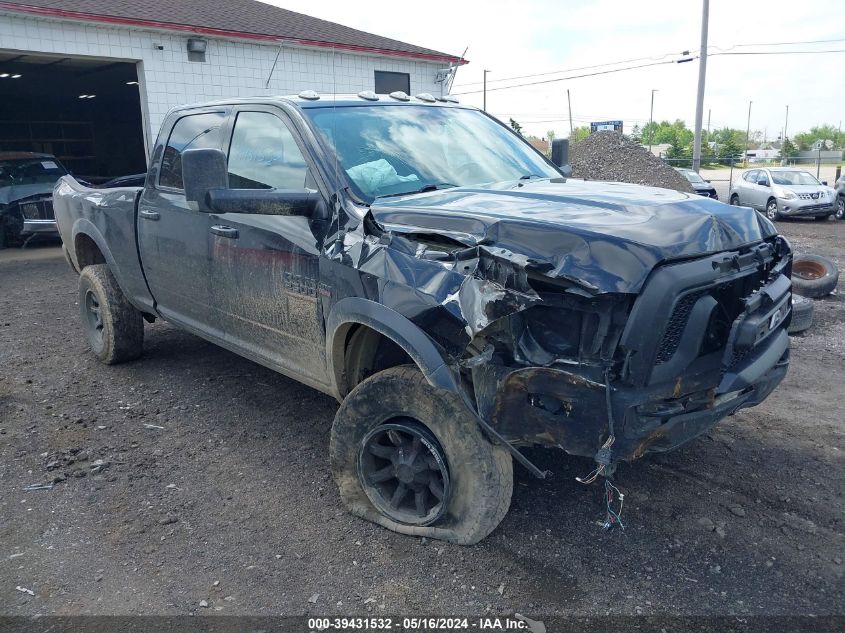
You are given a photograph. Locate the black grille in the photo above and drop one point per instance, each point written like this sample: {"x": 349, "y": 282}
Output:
{"x": 37, "y": 209}
{"x": 675, "y": 326}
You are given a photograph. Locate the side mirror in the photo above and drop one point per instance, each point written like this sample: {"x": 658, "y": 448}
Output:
{"x": 203, "y": 170}
{"x": 560, "y": 155}
{"x": 303, "y": 202}
{"x": 706, "y": 181}
{"x": 824, "y": 182}
{"x": 763, "y": 183}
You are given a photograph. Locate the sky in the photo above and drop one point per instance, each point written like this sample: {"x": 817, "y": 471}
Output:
{"x": 536, "y": 36}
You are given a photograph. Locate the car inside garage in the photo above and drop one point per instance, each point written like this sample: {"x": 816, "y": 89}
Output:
{"x": 84, "y": 111}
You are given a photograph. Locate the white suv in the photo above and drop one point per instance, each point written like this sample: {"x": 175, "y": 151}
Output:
{"x": 781, "y": 192}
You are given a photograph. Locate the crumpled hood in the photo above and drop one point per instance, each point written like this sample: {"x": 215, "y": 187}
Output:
{"x": 19, "y": 192}
{"x": 606, "y": 236}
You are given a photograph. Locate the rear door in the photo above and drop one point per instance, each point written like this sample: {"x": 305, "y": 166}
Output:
{"x": 173, "y": 238}
{"x": 265, "y": 268}
{"x": 744, "y": 187}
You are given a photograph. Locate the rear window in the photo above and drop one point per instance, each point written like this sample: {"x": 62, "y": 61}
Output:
{"x": 190, "y": 132}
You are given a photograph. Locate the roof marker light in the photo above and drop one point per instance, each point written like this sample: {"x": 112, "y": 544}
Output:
{"x": 310, "y": 95}
{"x": 369, "y": 95}
{"x": 399, "y": 96}
{"x": 424, "y": 96}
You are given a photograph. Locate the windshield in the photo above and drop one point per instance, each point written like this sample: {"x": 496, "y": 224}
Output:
{"x": 693, "y": 177}
{"x": 392, "y": 150}
{"x": 30, "y": 171}
{"x": 793, "y": 178}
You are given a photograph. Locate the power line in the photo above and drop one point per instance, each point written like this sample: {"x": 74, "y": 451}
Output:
{"x": 839, "y": 50}
{"x": 658, "y": 58}
{"x": 572, "y": 70}
{"x": 548, "y": 81}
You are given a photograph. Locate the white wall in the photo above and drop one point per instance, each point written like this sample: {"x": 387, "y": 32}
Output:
{"x": 232, "y": 67}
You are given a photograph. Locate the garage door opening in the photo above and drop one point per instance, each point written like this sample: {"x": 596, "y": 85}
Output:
{"x": 86, "y": 112}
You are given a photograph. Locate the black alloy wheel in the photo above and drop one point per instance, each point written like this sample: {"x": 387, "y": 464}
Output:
{"x": 403, "y": 471}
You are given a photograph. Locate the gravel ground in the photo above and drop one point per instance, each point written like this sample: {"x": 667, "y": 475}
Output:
{"x": 610, "y": 156}
{"x": 193, "y": 481}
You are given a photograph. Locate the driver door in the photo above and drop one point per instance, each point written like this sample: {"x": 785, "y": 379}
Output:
{"x": 265, "y": 267}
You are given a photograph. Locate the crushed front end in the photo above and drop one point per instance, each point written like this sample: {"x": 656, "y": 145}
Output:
{"x": 703, "y": 338}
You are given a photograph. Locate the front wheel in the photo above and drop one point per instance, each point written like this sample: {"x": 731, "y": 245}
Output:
{"x": 413, "y": 459}
{"x": 735, "y": 200}
{"x": 772, "y": 211}
{"x": 840, "y": 208}
{"x": 113, "y": 326}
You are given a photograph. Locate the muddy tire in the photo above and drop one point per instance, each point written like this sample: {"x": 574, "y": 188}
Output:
{"x": 813, "y": 276}
{"x": 802, "y": 314}
{"x": 397, "y": 410}
{"x": 113, "y": 327}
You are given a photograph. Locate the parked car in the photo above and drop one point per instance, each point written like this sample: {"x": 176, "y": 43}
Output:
{"x": 423, "y": 264}
{"x": 840, "y": 198}
{"x": 783, "y": 192}
{"x": 26, "y": 195}
{"x": 702, "y": 187}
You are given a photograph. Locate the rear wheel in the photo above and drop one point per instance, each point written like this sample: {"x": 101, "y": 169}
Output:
{"x": 113, "y": 326}
{"x": 840, "y": 208}
{"x": 735, "y": 200}
{"x": 413, "y": 459}
{"x": 772, "y": 210}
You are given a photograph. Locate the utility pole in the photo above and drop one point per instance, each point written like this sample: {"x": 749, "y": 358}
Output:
{"x": 702, "y": 72}
{"x": 484, "y": 107}
{"x": 569, "y": 102}
{"x": 708, "y": 122}
{"x": 747, "y": 133}
{"x": 651, "y": 119}
{"x": 786, "y": 123}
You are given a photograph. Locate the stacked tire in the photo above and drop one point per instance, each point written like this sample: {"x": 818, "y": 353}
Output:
{"x": 813, "y": 277}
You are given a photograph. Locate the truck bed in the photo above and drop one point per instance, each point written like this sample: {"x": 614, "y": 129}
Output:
{"x": 106, "y": 217}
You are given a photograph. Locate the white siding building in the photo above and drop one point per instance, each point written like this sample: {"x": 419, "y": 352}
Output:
{"x": 83, "y": 76}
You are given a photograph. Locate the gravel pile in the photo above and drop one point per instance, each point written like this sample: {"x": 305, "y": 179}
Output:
{"x": 611, "y": 156}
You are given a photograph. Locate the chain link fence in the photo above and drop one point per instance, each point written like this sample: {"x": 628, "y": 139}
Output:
{"x": 721, "y": 172}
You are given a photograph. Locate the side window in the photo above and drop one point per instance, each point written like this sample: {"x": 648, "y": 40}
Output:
{"x": 264, "y": 155}
{"x": 761, "y": 175}
{"x": 751, "y": 176}
{"x": 190, "y": 132}
{"x": 387, "y": 82}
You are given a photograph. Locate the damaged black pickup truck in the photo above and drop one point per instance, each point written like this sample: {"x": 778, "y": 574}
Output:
{"x": 424, "y": 265}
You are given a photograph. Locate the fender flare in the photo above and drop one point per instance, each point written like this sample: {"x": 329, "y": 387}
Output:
{"x": 398, "y": 328}
{"x": 84, "y": 226}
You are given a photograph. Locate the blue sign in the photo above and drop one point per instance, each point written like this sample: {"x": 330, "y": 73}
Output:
{"x": 600, "y": 126}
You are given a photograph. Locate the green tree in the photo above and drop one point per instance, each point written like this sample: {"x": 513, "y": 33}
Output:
{"x": 788, "y": 149}
{"x": 823, "y": 132}
{"x": 551, "y": 136}
{"x": 729, "y": 150}
{"x": 637, "y": 134}
{"x": 579, "y": 134}
{"x": 516, "y": 126}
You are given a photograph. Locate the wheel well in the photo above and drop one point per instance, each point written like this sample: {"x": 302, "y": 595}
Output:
{"x": 87, "y": 251}
{"x": 366, "y": 352}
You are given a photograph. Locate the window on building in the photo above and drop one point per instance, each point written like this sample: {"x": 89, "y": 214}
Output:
{"x": 190, "y": 132}
{"x": 387, "y": 82}
{"x": 264, "y": 155}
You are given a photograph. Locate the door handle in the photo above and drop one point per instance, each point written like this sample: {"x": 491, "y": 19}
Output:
{"x": 146, "y": 214}
{"x": 225, "y": 231}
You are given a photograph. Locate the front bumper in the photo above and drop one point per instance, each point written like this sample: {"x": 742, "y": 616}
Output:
{"x": 666, "y": 394}
{"x": 797, "y": 208}
{"x": 41, "y": 227}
